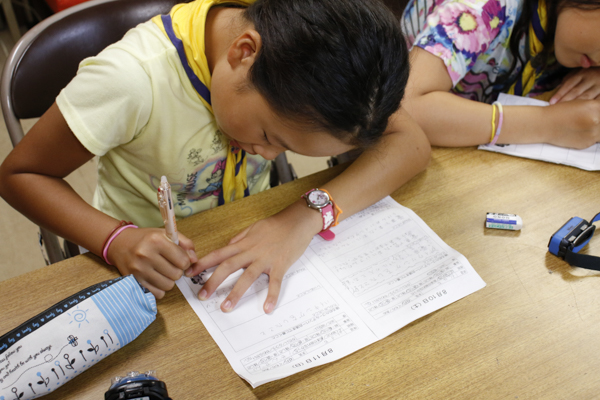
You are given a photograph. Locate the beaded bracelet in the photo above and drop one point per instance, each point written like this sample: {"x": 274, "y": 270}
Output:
{"x": 113, "y": 234}
{"x": 500, "y": 118}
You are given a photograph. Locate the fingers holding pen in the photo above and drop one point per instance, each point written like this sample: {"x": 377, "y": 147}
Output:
{"x": 156, "y": 283}
{"x": 189, "y": 247}
{"x": 151, "y": 257}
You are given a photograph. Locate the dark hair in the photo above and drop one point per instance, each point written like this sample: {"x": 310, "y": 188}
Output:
{"x": 553, "y": 8}
{"x": 337, "y": 65}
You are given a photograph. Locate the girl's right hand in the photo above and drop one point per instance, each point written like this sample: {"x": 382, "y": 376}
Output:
{"x": 580, "y": 84}
{"x": 574, "y": 124}
{"x": 152, "y": 258}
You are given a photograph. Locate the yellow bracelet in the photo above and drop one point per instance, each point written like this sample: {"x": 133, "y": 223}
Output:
{"x": 493, "y": 122}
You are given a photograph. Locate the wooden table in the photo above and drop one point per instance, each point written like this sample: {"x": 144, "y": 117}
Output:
{"x": 531, "y": 333}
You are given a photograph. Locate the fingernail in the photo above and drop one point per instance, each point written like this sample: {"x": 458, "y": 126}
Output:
{"x": 202, "y": 295}
{"x": 552, "y": 101}
{"x": 193, "y": 256}
{"x": 227, "y": 305}
{"x": 269, "y": 306}
{"x": 188, "y": 272}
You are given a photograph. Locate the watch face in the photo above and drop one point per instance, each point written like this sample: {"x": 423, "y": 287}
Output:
{"x": 319, "y": 198}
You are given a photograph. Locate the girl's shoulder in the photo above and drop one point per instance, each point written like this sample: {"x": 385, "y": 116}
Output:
{"x": 459, "y": 17}
{"x": 428, "y": 7}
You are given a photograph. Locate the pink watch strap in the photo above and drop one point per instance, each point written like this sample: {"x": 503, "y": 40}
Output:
{"x": 327, "y": 213}
{"x": 327, "y": 235}
{"x": 328, "y": 218}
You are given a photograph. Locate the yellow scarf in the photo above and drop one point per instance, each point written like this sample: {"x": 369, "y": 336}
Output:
{"x": 537, "y": 31}
{"x": 185, "y": 26}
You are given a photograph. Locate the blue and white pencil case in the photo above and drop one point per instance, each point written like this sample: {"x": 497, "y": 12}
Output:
{"x": 60, "y": 343}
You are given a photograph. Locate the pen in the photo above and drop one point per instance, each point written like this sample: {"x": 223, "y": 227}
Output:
{"x": 165, "y": 203}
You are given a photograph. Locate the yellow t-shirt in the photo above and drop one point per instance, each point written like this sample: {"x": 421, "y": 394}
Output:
{"x": 134, "y": 106}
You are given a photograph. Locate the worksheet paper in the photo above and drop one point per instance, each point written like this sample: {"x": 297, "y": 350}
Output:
{"x": 587, "y": 159}
{"x": 385, "y": 269}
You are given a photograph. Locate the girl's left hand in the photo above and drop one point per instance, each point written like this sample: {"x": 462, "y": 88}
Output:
{"x": 269, "y": 246}
{"x": 582, "y": 84}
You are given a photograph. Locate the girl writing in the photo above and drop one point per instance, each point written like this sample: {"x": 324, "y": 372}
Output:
{"x": 465, "y": 52}
{"x": 205, "y": 95}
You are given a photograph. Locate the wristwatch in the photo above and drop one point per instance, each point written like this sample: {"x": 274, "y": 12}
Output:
{"x": 320, "y": 200}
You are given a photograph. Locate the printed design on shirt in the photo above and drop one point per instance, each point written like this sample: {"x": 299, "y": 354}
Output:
{"x": 205, "y": 184}
{"x": 215, "y": 181}
{"x": 194, "y": 189}
{"x": 217, "y": 146}
{"x": 195, "y": 157}
{"x": 218, "y": 143}
{"x": 481, "y": 86}
{"x": 260, "y": 167}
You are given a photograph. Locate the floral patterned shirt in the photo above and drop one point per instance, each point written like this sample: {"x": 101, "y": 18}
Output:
{"x": 472, "y": 38}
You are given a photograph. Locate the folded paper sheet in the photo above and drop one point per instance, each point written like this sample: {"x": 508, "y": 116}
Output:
{"x": 385, "y": 269}
{"x": 587, "y": 159}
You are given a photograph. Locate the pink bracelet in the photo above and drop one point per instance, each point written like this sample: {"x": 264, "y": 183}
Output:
{"x": 500, "y": 111}
{"x": 109, "y": 241}
{"x": 121, "y": 223}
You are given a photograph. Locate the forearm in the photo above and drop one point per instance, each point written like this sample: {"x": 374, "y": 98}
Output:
{"x": 382, "y": 169}
{"x": 460, "y": 122}
{"x": 50, "y": 202}
{"x": 452, "y": 121}
{"x": 31, "y": 180}
{"x": 376, "y": 173}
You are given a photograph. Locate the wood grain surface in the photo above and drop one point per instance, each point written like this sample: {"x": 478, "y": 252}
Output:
{"x": 531, "y": 333}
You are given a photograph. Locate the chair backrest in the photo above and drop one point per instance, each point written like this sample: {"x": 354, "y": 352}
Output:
{"x": 47, "y": 56}
{"x": 396, "y": 6}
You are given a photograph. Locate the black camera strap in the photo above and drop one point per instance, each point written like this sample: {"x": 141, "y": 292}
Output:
{"x": 582, "y": 260}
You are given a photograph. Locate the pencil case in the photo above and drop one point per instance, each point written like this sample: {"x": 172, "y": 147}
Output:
{"x": 58, "y": 344}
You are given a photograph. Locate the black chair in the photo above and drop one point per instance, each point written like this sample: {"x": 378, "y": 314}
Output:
{"x": 46, "y": 58}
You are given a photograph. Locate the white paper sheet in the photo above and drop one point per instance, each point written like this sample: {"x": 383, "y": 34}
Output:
{"x": 587, "y": 159}
{"x": 385, "y": 269}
